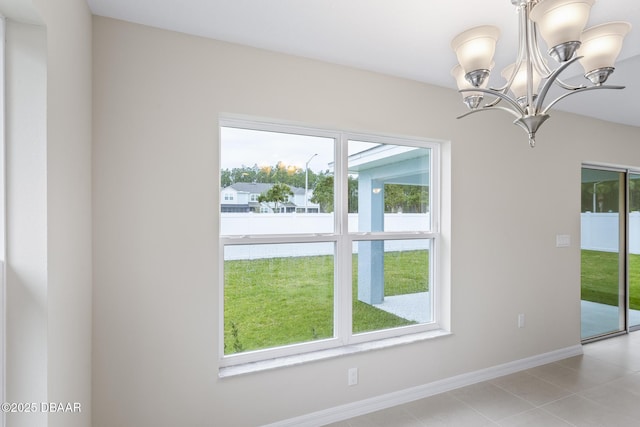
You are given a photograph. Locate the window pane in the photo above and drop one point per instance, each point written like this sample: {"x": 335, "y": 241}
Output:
{"x": 388, "y": 187}
{"x": 277, "y": 294}
{"x": 390, "y": 284}
{"x": 634, "y": 250}
{"x": 602, "y": 285}
{"x": 275, "y": 183}
{"x": 283, "y": 296}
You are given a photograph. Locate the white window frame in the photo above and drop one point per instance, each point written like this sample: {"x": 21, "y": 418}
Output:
{"x": 3, "y": 241}
{"x": 343, "y": 340}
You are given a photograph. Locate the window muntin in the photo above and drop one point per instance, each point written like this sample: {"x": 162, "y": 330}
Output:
{"x": 333, "y": 226}
{"x": 2, "y": 216}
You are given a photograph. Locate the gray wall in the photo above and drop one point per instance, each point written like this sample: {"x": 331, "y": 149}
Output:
{"x": 157, "y": 99}
{"x": 48, "y": 175}
{"x": 26, "y": 165}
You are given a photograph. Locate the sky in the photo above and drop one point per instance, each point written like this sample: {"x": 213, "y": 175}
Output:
{"x": 248, "y": 147}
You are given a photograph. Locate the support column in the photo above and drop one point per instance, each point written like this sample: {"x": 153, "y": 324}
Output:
{"x": 370, "y": 253}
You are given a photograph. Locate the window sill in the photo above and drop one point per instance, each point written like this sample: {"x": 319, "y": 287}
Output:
{"x": 299, "y": 359}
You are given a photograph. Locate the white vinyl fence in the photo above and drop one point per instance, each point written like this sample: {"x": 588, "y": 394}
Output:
{"x": 245, "y": 224}
{"x": 599, "y": 231}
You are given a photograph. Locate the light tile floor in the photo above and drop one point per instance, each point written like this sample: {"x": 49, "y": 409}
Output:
{"x": 601, "y": 388}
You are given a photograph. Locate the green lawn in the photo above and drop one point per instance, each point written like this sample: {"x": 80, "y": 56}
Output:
{"x": 279, "y": 301}
{"x": 600, "y": 278}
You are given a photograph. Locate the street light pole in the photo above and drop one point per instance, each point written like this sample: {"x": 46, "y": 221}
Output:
{"x": 306, "y": 181}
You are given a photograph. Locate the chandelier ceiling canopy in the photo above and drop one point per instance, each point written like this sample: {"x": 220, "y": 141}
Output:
{"x": 560, "y": 23}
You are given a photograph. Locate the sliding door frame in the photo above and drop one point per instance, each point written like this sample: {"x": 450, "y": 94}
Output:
{"x": 623, "y": 250}
{"x": 630, "y": 171}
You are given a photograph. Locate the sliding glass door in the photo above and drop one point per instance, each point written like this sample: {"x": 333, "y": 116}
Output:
{"x": 634, "y": 250}
{"x": 603, "y": 243}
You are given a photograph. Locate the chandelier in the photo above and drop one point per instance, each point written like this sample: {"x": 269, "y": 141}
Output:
{"x": 561, "y": 24}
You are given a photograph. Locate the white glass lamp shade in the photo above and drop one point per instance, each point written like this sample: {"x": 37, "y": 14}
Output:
{"x": 471, "y": 98}
{"x": 458, "y": 73}
{"x": 519, "y": 84}
{"x": 601, "y": 45}
{"x": 561, "y": 21}
{"x": 475, "y": 47}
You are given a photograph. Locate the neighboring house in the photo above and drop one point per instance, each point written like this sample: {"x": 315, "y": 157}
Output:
{"x": 243, "y": 197}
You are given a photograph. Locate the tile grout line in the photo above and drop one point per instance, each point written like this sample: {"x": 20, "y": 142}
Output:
{"x": 469, "y": 406}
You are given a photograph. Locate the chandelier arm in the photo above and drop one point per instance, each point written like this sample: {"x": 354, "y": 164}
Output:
{"x": 508, "y": 110}
{"x": 577, "y": 91}
{"x": 497, "y": 99}
{"x": 500, "y": 95}
{"x": 567, "y": 86}
{"x": 492, "y": 103}
{"x": 549, "y": 82}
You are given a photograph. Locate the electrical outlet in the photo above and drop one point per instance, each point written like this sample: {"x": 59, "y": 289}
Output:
{"x": 352, "y": 376}
{"x": 521, "y": 320}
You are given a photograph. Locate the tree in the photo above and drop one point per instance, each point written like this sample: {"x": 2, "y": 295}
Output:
{"x": 279, "y": 193}
{"x": 280, "y": 172}
{"x": 225, "y": 178}
{"x": 243, "y": 174}
{"x": 394, "y": 198}
{"x": 323, "y": 193}
{"x": 603, "y": 196}
{"x": 634, "y": 193}
{"x": 419, "y": 199}
{"x": 406, "y": 198}
{"x": 352, "y": 188}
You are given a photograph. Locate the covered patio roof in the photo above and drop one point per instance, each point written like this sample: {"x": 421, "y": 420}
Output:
{"x": 392, "y": 164}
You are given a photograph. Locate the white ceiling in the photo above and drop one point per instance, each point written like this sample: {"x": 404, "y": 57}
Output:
{"x": 405, "y": 38}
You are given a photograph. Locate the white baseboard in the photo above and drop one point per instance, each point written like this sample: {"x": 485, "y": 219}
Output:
{"x": 350, "y": 410}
